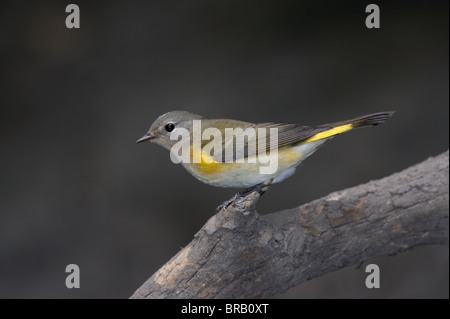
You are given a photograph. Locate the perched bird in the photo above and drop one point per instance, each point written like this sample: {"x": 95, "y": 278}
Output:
{"x": 251, "y": 150}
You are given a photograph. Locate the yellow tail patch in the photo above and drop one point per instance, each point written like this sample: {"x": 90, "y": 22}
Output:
{"x": 329, "y": 133}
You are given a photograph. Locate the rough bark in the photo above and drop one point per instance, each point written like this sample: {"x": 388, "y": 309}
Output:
{"x": 240, "y": 254}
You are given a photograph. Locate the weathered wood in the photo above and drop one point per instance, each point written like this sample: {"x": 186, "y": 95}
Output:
{"x": 240, "y": 254}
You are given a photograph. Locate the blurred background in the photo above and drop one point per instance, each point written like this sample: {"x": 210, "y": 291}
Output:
{"x": 75, "y": 188}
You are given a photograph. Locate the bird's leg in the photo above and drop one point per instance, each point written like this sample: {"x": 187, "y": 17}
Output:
{"x": 261, "y": 188}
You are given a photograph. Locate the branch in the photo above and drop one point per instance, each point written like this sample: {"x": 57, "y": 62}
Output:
{"x": 240, "y": 254}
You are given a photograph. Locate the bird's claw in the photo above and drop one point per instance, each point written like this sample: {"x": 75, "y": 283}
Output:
{"x": 260, "y": 188}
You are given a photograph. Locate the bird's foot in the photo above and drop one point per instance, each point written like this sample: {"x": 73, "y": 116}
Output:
{"x": 228, "y": 202}
{"x": 260, "y": 188}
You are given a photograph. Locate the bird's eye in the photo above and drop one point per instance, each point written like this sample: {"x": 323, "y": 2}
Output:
{"x": 170, "y": 127}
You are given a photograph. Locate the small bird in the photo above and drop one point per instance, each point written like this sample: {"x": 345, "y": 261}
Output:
{"x": 294, "y": 144}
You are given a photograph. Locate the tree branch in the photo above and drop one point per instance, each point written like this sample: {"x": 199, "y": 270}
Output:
{"x": 240, "y": 254}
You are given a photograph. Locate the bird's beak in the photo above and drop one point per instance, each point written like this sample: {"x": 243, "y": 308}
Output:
{"x": 145, "y": 138}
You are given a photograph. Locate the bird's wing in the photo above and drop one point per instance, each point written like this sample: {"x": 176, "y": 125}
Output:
{"x": 245, "y": 139}
{"x": 242, "y": 139}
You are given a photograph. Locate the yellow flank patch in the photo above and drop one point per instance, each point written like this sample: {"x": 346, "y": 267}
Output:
{"x": 330, "y": 132}
{"x": 206, "y": 164}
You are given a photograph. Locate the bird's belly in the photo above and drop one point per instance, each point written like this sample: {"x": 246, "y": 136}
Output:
{"x": 247, "y": 174}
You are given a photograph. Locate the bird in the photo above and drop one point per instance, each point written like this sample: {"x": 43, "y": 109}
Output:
{"x": 293, "y": 144}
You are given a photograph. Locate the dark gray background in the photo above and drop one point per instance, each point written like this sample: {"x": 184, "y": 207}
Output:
{"x": 75, "y": 188}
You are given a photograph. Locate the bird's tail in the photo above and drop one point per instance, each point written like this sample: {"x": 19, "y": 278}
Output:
{"x": 366, "y": 120}
{"x": 330, "y": 130}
